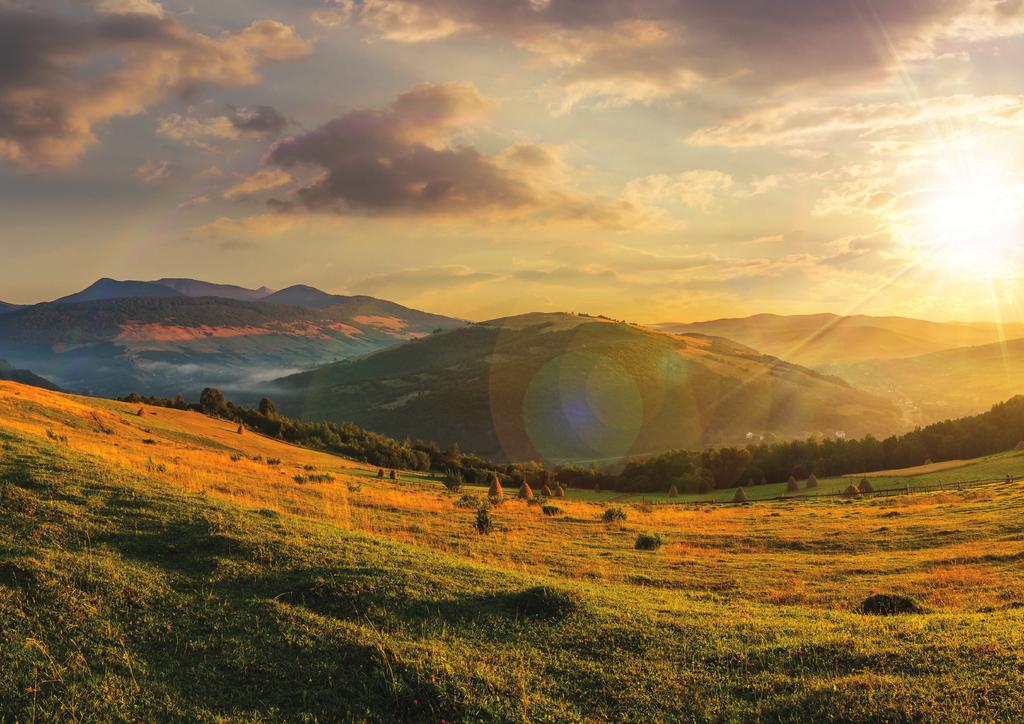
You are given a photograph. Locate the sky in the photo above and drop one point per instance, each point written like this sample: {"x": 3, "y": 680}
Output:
{"x": 650, "y": 160}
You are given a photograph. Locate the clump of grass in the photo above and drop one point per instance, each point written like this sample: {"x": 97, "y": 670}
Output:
{"x": 547, "y": 602}
{"x": 613, "y": 514}
{"x": 551, "y": 510}
{"x": 309, "y": 468}
{"x": 235, "y": 458}
{"x": 56, "y": 438}
{"x": 273, "y": 461}
{"x": 889, "y": 604}
{"x": 649, "y": 541}
{"x": 355, "y": 487}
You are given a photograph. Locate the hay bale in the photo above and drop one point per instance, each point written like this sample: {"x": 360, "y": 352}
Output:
{"x": 812, "y": 482}
{"x": 740, "y": 496}
{"x": 791, "y": 485}
{"x": 852, "y": 491}
{"x": 525, "y": 491}
{"x": 546, "y": 491}
{"x": 496, "y": 491}
{"x": 866, "y": 486}
{"x": 673, "y": 492}
{"x": 559, "y": 491}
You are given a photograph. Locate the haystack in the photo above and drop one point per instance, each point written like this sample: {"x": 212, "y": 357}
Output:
{"x": 1020, "y": 446}
{"x": 812, "y": 482}
{"x": 559, "y": 491}
{"x": 495, "y": 490}
{"x": 792, "y": 486}
{"x": 866, "y": 486}
{"x": 525, "y": 491}
{"x": 673, "y": 492}
{"x": 546, "y": 491}
{"x": 740, "y": 496}
{"x": 852, "y": 492}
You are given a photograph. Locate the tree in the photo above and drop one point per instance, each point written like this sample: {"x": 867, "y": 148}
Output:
{"x": 267, "y": 408}
{"x": 212, "y": 402}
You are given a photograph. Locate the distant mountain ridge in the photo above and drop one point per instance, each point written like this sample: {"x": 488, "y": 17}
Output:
{"x": 179, "y": 335}
{"x": 11, "y": 374}
{"x": 566, "y": 387}
{"x": 825, "y": 339}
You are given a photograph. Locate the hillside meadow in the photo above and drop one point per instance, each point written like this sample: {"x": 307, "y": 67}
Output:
{"x": 158, "y": 564}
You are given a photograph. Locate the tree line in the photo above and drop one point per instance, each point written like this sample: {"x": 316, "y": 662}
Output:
{"x": 998, "y": 430}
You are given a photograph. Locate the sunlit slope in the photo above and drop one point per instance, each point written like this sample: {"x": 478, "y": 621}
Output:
{"x": 564, "y": 387}
{"x": 822, "y": 339}
{"x": 128, "y": 594}
{"x": 946, "y": 384}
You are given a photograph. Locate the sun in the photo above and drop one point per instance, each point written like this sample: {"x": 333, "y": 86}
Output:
{"x": 973, "y": 222}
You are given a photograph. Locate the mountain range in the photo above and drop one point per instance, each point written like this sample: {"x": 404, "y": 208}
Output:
{"x": 563, "y": 387}
{"x": 180, "y": 335}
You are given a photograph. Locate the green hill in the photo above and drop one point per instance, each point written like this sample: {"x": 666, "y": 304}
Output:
{"x": 141, "y": 583}
{"x": 563, "y": 387}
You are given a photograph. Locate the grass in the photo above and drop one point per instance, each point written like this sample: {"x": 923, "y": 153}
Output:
{"x": 223, "y": 594}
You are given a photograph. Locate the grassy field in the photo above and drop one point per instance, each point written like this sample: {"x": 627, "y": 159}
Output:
{"x": 157, "y": 567}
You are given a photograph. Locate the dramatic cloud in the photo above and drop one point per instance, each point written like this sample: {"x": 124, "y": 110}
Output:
{"x": 399, "y": 160}
{"x": 62, "y": 74}
{"x": 641, "y": 49}
{"x": 263, "y": 180}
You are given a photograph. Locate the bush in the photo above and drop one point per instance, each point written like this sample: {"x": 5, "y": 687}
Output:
{"x": 889, "y": 604}
{"x": 551, "y": 510}
{"x": 614, "y": 514}
{"x": 740, "y": 496}
{"x": 452, "y": 483}
{"x": 649, "y": 541}
{"x": 484, "y": 524}
{"x": 547, "y": 602}
{"x": 471, "y": 502}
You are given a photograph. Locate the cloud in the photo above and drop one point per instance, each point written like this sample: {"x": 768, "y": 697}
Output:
{"x": 424, "y": 279}
{"x": 152, "y": 171}
{"x": 638, "y": 50}
{"x": 61, "y": 75}
{"x": 400, "y": 160}
{"x": 804, "y": 123}
{"x": 130, "y": 7}
{"x": 225, "y": 228}
{"x": 697, "y": 189}
{"x": 262, "y": 180}
{"x": 264, "y": 120}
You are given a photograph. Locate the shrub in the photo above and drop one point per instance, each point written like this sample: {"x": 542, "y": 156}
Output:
{"x": 299, "y": 478}
{"x": 496, "y": 491}
{"x": 525, "y": 491}
{"x": 547, "y": 602}
{"x": 614, "y": 514}
{"x": 484, "y": 524}
{"x": 889, "y": 604}
{"x": 866, "y": 486}
{"x": 235, "y": 458}
{"x": 673, "y": 492}
{"x": 452, "y": 484}
{"x": 551, "y": 510}
{"x": 740, "y": 496}
{"x": 792, "y": 486}
{"x": 649, "y": 541}
{"x": 472, "y": 502}
{"x": 812, "y": 482}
